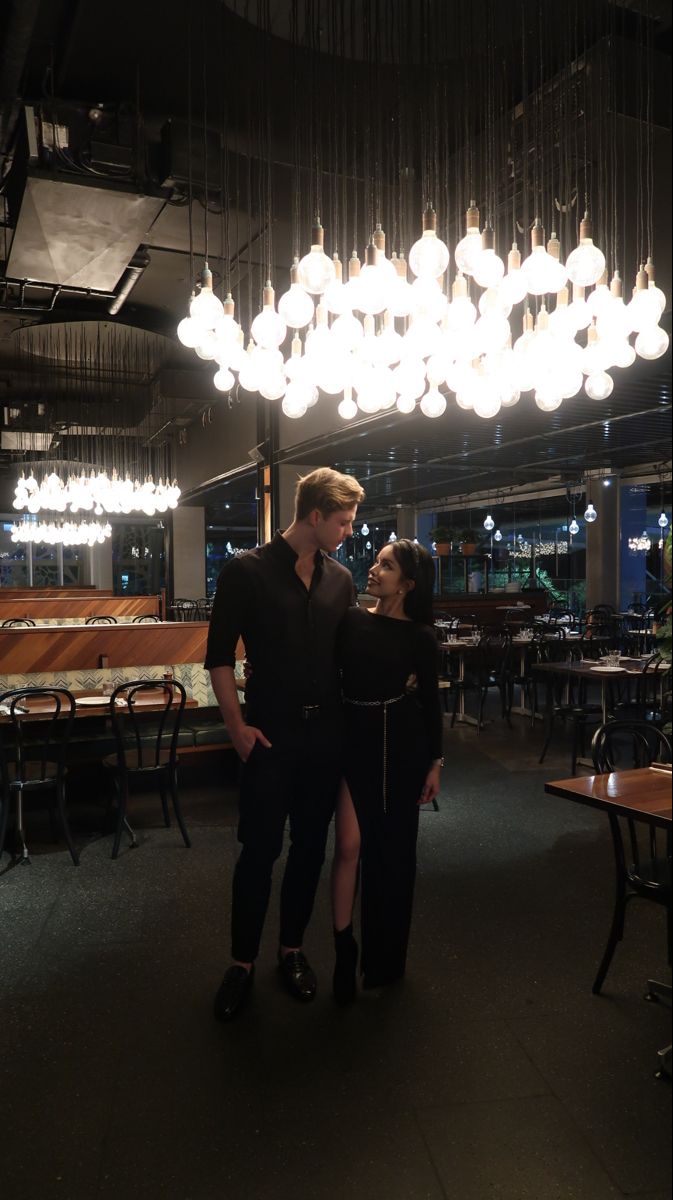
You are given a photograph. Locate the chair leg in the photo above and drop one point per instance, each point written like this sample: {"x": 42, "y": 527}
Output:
{"x": 4, "y": 812}
{"x": 60, "y": 794}
{"x": 122, "y": 789}
{"x": 164, "y": 805}
{"x": 173, "y": 785}
{"x": 455, "y": 707}
{"x": 616, "y": 934}
{"x": 482, "y": 702}
{"x": 548, "y": 738}
{"x": 21, "y": 850}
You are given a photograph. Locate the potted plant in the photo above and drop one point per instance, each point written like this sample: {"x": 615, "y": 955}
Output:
{"x": 469, "y": 539}
{"x": 442, "y": 536}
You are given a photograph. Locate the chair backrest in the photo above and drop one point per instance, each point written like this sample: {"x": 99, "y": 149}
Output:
{"x": 145, "y": 618}
{"x": 34, "y": 738}
{"x": 130, "y": 730}
{"x": 621, "y": 745}
{"x": 102, "y": 620}
{"x": 184, "y": 610}
{"x": 16, "y": 621}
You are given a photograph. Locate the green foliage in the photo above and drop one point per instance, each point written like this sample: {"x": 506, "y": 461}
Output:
{"x": 442, "y": 533}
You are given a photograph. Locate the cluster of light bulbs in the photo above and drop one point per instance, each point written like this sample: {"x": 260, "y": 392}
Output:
{"x": 95, "y": 492}
{"x": 381, "y": 341}
{"x": 63, "y": 533}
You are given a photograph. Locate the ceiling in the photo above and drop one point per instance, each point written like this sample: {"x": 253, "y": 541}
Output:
{"x": 125, "y": 87}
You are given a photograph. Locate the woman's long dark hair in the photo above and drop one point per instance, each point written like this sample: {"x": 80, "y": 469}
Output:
{"x": 416, "y": 564}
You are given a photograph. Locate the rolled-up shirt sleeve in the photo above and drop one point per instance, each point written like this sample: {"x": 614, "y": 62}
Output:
{"x": 227, "y": 618}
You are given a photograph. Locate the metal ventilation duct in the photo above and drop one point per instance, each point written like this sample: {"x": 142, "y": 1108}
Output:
{"x": 78, "y": 234}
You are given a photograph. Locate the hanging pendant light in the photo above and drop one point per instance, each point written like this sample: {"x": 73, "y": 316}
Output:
{"x": 489, "y": 523}
{"x": 590, "y": 514}
{"x": 429, "y": 256}
{"x": 586, "y": 263}
{"x": 316, "y": 270}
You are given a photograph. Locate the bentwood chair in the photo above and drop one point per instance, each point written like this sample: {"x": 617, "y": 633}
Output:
{"x": 15, "y": 622}
{"x": 146, "y": 619}
{"x": 642, "y": 853}
{"x": 103, "y": 620}
{"x": 147, "y": 752}
{"x": 33, "y": 758}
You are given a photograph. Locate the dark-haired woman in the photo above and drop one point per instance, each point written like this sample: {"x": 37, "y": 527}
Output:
{"x": 393, "y": 755}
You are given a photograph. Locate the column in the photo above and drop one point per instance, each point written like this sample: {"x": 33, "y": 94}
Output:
{"x": 189, "y": 553}
{"x": 602, "y": 554}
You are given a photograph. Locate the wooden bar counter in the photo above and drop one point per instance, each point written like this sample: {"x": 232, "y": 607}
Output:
{"x": 489, "y": 608}
{"x": 92, "y": 647}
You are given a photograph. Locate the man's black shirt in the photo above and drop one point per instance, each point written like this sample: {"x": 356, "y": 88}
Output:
{"x": 289, "y": 633}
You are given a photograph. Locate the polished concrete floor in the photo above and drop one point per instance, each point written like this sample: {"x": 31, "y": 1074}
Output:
{"x": 491, "y": 1073}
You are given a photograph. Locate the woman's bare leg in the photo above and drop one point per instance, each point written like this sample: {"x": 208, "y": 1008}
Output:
{"x": 346, "y": 859}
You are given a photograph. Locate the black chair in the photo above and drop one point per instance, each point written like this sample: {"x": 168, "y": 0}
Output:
{"x": 146, "y": 751}
{"x": 146, "y": 618}
{"x": 487, "y": 668}
{"x": 101, "y": 620}
{"x": 14, "y": 622}
{"x": 33, "y": 758}
{"x": 184, "y": 610}
{"x": 644, "y": 869}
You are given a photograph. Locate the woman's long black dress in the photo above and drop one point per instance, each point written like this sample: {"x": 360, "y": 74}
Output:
{"x": 392, "y": 735}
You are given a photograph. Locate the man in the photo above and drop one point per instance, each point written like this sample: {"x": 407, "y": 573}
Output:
{"x": 285, "y": 600}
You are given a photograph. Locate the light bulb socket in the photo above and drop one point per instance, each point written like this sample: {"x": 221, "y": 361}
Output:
{"x": 429, "y": 219}
{"x": 294, "y": 271}
{"x": 554, "y": 247}
{"x": 379, "y": 238}
{"x": 578, "y": 291}
{"x": 338, "y": 271}
{"x": 370, "y": 255}
{"x": 562, "y": 297}
{"x": 268, "y": 294}
{"x": 528, "y": 321}
{"x": 586, "y": 228}
{"x": 228, "y": 305}
{"x": 206, "y": 277}
{"x": 616, "y": 286}
{"x": 472, "y": 217}
{"x": 487, "y": 238}
{"x": 649, "y": 269}
{"x": 537, "y": 235}
{"x": 642, "y": 281}
{"x": 401, "y": 266}
{"x": 592, "y": 333}
{"x": 459, "y": 287}
{"x": 317, "y": 234}
{"x": 514, "y": 258}
{"x": 354, "y": 266}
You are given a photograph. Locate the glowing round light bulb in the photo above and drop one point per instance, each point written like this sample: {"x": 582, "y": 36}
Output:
{"x": 590, "y": 514}
{"x": 489, "y": 268}
{"x": 497, "y": 536}
{"x": 347, "y": 409}
{"x": 224, "y": 380}
{"x": 573, "y": 527}
{"x": 586, "y": 263}
{"x": 429, "y": 256}
{"x": 190, "y": 332}
{"x": 652, "y": 343}
{"x": 406, "y": 404}
{"x": 662, "y": 520}
{"x": 433, "y": 404}
{"x": 296, "y": 307}
{"x": 316, "y": 270}
{"x": 206, "y": 308}
{"x": 489, "y": 523}
{"x": 599, "y": 385}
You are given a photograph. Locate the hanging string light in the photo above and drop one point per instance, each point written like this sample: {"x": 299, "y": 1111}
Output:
{"x": 61, "y": 533}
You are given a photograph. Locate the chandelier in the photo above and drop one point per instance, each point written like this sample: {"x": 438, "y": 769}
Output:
{"x": 394, "y": 335}
{"x": 96, "y": 492}
{"x": 61, "y": 533}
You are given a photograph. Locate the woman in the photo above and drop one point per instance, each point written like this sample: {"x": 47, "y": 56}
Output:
{"x": 388, "y": 658}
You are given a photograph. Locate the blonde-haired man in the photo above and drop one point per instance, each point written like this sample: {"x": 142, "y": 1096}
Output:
{"x": 285, "y": 600}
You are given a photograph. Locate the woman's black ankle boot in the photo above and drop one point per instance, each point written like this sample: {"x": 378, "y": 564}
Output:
{"x": 343, "y": 980}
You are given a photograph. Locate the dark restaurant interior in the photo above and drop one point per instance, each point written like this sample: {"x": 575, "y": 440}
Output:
{"x": 428, "y": 246}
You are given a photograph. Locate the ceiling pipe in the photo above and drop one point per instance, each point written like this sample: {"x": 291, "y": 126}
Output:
{"x": 13, "y": 54}
{"x": 138, "y": 264}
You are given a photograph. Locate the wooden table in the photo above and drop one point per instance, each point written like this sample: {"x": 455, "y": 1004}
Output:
{"x": 630, "y": 668}
{"x": 643, "y": 793}
{"x": 40, "y": 706}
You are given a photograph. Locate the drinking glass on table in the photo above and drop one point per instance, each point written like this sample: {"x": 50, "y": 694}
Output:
{"x": 108, "y": 687}
{"x": 613, "y": 658}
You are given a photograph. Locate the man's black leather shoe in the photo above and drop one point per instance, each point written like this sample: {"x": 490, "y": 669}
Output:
{"x": 233, "y": 993}
{"x": 297, "y": 975}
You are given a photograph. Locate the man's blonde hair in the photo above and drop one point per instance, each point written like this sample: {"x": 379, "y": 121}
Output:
{"x": 327, "y": 490}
